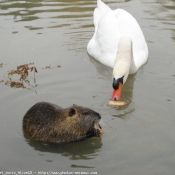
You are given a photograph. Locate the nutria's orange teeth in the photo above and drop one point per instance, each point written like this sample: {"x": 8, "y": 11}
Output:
{"x": 98, "y": 127}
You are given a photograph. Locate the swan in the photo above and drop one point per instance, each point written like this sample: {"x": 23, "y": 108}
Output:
{"x": 118, "y": 42}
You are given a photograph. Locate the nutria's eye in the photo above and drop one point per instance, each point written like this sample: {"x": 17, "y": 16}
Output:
{"x": 72, "y": 112}
{"x": 85, "y": 113}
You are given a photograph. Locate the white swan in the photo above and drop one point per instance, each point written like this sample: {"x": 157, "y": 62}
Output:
{"x": 118, "y": 42}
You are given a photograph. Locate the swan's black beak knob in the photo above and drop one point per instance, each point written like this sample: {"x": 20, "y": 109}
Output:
{"x": 117, "y": 86}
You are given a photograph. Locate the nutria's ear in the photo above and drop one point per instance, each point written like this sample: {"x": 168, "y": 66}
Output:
{"x": 72, "y": 112}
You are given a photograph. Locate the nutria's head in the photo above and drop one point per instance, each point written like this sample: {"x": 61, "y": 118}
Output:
{"x": 48, "y": 122}
{"x": 82, "y": 122}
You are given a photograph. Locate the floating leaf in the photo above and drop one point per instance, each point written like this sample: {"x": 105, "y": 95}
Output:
{"x": 13, "y": 72}
{"x": 17, "y": 84}
{"x": 25, "y": 66}
{"x": 49, "y": 67}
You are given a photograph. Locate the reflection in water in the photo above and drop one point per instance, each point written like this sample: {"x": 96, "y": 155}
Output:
{"x": 87, "y": 149}
{"x": 163, "y": 11}
{"x": 81, "y": 166}
{"x": 38, "y": 15}
{"x": 104, "y": 72}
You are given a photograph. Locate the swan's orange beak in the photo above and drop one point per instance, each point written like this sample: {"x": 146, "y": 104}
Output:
{"x": 117, "y": 92}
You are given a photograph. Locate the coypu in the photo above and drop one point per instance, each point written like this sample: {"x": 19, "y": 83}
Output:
{"x": 48, "y": 122}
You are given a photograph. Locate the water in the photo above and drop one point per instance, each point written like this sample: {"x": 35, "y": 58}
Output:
{"x": 137, "y": 139}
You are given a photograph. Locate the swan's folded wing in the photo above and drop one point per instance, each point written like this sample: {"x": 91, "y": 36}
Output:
{"x": 101, "y": 9}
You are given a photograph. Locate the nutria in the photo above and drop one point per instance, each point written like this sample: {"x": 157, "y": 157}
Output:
{"x": 48, "y": 122}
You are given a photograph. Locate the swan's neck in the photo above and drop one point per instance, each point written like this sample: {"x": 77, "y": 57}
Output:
{"x": 124, "y": 63}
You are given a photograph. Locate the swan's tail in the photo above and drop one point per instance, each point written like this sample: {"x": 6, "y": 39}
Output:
{"x": 99, "y": 11}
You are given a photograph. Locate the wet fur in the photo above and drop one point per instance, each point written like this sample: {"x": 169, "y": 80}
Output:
{"x": 51, "y": 123}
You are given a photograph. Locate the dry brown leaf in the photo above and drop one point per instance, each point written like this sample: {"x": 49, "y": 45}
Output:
{"x": 35, "y": 70}
{"x": 17, "y": 84}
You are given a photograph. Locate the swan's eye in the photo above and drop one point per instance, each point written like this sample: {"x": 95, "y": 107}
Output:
{"x": 116, "y": 82}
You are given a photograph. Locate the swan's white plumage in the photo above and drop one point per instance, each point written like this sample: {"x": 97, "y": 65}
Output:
{"x": 101, "y": 9}
{"x": 110, "y": 26}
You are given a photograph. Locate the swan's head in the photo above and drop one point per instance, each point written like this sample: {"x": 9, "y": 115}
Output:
{"x": 117, "y": 86}
{"x": 118, "y": 82}
{"x": 121, "y": 66}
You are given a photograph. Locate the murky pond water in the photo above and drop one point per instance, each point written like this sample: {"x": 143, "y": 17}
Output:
{"x": 138, "y": 139}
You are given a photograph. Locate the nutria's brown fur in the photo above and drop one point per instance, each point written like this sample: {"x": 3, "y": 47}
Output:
{"x": 51, "y": 123}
